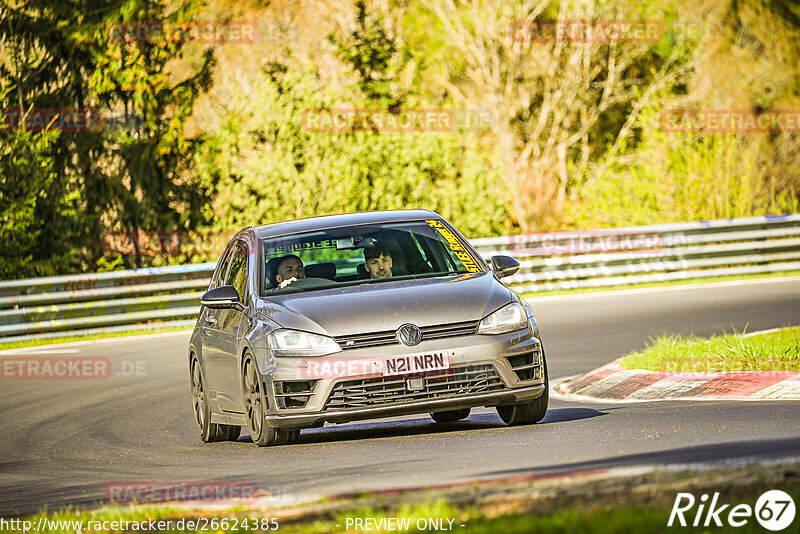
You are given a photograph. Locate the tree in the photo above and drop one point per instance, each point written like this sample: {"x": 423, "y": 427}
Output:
{"x": 148, "y": 161}
{"x": 560, "y": 101}
{"x": 60, "y": 55}
{"x": 26, "y": 174}
{"x": 267, "y": 165}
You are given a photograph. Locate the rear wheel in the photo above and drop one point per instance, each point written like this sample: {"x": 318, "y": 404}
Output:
{"x": 255, "y": 409}
{"x": 209, "y": 432}
{"x": 450, "y": 416}
{"x": 530, "y": 412}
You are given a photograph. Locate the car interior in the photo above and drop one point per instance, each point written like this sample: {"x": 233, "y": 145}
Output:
{"x": 410, "y": 255}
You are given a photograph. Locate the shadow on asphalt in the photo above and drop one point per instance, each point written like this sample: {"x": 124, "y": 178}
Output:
{"x": 563, "y": 415}
{"x": 425, "y": 426}
{"x": 716, "y": 453}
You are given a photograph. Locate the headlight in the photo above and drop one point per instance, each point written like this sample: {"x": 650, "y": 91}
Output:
{"x": 531, "y": 316}
{"x": 295, "y": 343}
{"x": 506, "y": 319}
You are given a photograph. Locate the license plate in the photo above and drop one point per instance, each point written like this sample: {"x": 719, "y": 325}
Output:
{"x": 416, "y": 363}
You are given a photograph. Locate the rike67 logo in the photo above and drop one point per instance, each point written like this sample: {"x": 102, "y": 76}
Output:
{"x": 774, "y": 510}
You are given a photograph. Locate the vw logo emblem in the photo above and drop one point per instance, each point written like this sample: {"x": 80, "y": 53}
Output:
{"x": 409, "y": 334}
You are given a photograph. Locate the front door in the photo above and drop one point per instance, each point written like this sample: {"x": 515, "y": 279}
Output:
{"x": 232, "y": 324}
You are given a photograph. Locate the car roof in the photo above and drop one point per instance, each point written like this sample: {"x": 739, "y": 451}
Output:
{"x": 323, "y": 222}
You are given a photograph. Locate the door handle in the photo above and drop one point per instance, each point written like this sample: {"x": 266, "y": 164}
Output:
{"x": 211, "y": 320}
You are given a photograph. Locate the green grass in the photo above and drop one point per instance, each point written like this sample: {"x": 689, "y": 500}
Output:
{"x": 777, "y": 351}
{"x": 109, "y": 513}
{"x": 572, "y": 520}
{"x": 507, "y": 518}
{"x": 659, "y": 284}
{"x": 68, "y": 339}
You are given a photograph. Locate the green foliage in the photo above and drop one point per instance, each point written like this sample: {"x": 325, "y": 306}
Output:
{"x": 671, "y": 176}
{"x": 567, "y": 160}
{"x": 373, "y": 55}
{"x": 59, "y": 55}
{"x": 267, "y": 166}
{"x": 151, "y": 184}
{"x": 268, "y": 163}
{"x": 26, "y": 176}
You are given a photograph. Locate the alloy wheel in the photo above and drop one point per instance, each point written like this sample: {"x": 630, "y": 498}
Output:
{"x": 254, "y": 409}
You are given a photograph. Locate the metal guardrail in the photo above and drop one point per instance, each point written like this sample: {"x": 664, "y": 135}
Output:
{"x": 143, "y": 299}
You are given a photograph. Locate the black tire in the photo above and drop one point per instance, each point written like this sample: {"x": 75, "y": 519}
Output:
{"x": 255, "y": 408}
{"x": 233, "y": 432}
{"x": 450, "y": 416}
{"x": 209, "y": 432}
{"x": 530, "y": 412}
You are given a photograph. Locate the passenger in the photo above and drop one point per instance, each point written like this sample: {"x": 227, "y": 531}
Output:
{"x": 378, "y": 260}
{"x": 290, "y": 270}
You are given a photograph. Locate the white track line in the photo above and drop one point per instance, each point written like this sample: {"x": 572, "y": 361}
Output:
{"x": 138, "y": 337}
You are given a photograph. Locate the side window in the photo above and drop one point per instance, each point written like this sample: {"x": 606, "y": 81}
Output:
{"x": 237, "y": 274}
{"x": 222, "y": 268}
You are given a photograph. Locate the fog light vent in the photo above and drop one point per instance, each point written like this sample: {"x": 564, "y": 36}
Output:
{"x": 294, "y": 394}
{"x": 526, "y": 366}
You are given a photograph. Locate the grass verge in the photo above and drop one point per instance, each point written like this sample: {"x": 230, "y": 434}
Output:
{"x": 660, "y": 284}
{"x": 609, "y": 502}
{"x": 774, "y": 351}
{"x": 103, "y": 335}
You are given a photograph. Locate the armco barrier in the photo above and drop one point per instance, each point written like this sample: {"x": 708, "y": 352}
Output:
{"x": 169, "y": 296}
{"x": 664, "y": 252}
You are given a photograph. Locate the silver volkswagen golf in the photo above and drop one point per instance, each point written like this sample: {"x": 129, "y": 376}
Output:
{"x": 360, "y": 316}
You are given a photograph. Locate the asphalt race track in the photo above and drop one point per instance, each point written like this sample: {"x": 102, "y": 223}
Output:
{"x": 64, "y": 440}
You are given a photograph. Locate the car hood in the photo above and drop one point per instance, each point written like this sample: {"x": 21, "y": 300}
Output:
{"x": 387, "y": 305}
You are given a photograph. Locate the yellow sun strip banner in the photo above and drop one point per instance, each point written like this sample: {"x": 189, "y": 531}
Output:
{"x": 455, "y": 245}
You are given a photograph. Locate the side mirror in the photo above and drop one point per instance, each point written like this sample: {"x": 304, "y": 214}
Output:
{"x": 504, "y": 266}
{"x": 222, "y": 297}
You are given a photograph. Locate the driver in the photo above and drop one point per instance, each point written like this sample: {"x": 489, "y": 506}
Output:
{"x": 378, "y": 260}
{"x": 290, "y": 270}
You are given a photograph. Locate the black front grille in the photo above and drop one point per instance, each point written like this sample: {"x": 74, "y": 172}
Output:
{"x": 382, "y": 391}
{"x": 526, "y": 366}
{"x": 388, "y": 337}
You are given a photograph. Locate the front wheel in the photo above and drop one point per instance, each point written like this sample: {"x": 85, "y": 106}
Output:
{"x": 529, "y": 412}
{"x": 255, "y": 409}
{"x": 209, "y": 432}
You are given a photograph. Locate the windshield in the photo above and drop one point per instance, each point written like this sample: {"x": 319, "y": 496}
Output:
{"x": 363, "y": 254}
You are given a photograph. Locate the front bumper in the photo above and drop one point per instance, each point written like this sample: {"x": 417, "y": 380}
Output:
{"x": 500, "y": 379}
{"x": 497, "y": 398}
